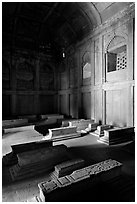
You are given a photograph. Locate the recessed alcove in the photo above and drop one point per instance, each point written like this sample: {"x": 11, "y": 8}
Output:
{"x": 116, "y": 60}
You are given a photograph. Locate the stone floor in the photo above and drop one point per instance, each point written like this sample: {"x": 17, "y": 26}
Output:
{"x": 89, "y": 149}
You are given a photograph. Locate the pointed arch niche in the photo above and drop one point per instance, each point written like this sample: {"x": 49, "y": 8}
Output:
{"x": 116, "y": 59}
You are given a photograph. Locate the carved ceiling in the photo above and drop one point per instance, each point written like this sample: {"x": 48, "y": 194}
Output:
{"x": 33, "y": 25}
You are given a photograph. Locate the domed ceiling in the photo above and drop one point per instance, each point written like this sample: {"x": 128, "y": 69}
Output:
{"x": 36, "y": 25}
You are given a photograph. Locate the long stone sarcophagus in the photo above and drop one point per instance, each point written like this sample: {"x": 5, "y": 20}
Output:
{"x": 11, "y": 158}
{"x": 50, "y": 119}
{"x": 79, "y": 181}
{"x": 82, "y": 124}
{"x": 63, "y": 133}
{"x": 14, "y": 123}
{"x": 117, "y": 135}
{"x": 34, "y": 162}
{"x": 55, "y": 116}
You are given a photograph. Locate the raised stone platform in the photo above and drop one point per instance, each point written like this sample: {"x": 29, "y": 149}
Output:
{"x": 51, "y": 118}
{"x": 63, "y": 133}
{"x": 117, "y": 135}
{"x": 79, "y": 181}
{"x": 82, "y": 124}
{"x": 67, "y": 167}
{"x": 19, "y": 129}
{"x": 11, "y": 158}
{"x": 56, "y": 116}
{"x": 14, "y": 123}
{"x": 30, "y": 118}
{"x": 65, "y": 122}
{"x": 35, "y": 162}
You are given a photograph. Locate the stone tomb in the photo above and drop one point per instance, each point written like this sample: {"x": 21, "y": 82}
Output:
{"x": 48, "y": 122}
{"x": 48, "y": 116}
{"x": 67, "y": 167}
{"x": 79, "y": 181}
{"x": 84, "y": 125}
{"x": 30, "y": 118}
{"x": 56, "y": 134}
{"x": 32, "y": 163}
{"x": 14, "y": 123}
{"x": 100, "y": 129}
{"x": 65, "y": 122}
{"x": 51, "y": 118}
{"x": 19, "y": 129}
{"x": 11, "y": 158}
{"x": 117, "y": 135}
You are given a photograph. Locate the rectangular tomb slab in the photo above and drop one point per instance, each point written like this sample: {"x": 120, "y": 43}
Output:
{"x": 118, "y": 135}
{"x": 56, "y": 116}
{"x": 62, "y": 131}
{"x": 19, "y": 129}
{"x": 30, "y": 118}
{"x": 57, "y": 134}
{"x": 34, "y": 162}
{"x": 81, "y": 124}
{"x": 30, "y": 146}
{"x": 86, "y": 177}
{"x": 68, "y": 167}
{"x": 14, "y": 123}
{"x": 52, "y": 154}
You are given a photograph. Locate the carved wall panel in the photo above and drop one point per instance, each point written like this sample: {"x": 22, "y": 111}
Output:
{"x": 25, "y": 75}
{"x": 46, "y": 77}
{"x": 116, "y": 107}
{"x": 5, "y": 74}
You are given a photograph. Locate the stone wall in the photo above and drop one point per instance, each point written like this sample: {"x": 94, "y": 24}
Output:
{"x": 28, "y": 82}
{"x": 105, "y": 96}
